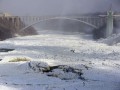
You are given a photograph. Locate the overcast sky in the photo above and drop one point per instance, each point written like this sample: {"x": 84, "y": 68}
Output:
{"x": 57, "y": 7}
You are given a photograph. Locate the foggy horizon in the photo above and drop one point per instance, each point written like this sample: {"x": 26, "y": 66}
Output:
{"x": 56, "y": 7}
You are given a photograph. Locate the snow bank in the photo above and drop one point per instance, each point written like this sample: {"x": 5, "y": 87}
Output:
{"x": 99, "y": 63}
{"x": 114, "y": 39}
{"x": 3, "y": 87}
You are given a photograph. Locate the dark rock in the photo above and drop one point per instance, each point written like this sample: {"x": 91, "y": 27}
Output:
{"x": 63, "y": 72}
{"x": 5, "y": 50}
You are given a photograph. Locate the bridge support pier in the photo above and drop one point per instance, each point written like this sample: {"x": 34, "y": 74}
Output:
{"x": 109, "y": 26}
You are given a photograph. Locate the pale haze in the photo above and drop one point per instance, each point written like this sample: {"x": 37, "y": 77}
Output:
{"x": 56, "y": 7}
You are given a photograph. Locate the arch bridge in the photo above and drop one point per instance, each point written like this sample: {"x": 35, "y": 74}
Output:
{"x": 20, "y": 23}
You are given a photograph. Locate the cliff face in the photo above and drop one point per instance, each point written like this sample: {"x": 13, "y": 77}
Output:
{"x": 10, "y": 26}
{"x": 5, "y": 33}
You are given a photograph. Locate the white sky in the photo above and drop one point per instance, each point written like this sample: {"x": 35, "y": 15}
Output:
{"x": 51, "y": 7}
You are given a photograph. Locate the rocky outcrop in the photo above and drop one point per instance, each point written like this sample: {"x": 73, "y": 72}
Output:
{"x": 28, "y": 31}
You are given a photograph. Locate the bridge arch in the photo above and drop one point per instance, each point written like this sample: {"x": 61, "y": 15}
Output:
{"x": 65, "y": 18}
